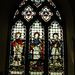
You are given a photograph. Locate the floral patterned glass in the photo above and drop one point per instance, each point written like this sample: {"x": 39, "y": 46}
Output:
{"x": 28, "y": 13}
{"x": 46, "y": 14}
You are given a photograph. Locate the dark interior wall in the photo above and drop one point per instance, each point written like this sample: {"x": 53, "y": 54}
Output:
{"x": 6, "y": 8}
{"x": 68, "y": 10}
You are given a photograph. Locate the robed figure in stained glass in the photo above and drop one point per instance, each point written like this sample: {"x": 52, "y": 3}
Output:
{"x": 36, "y": 46}
{"x": 17, "y": 49}
{"x": 55, "y": 47}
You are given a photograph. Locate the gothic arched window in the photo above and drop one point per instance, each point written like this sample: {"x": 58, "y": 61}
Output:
{"x": 36, "y": 39}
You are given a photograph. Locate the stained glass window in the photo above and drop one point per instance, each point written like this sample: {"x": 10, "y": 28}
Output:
{"x": 16, "y": 13}
{"x": 58, "y": 14}
{"x": 28, "y": 13}
{"x": 52, "y": 3}
{"x": 22, "y": 3}
{"x": 37, "y": 41}
{"x": 36, "y": 48}
{"x": 37, "y": 3}
{"x": 56, "y": 50}
{"x": 46, "y": 14}
{"x": 17, "y": 49}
